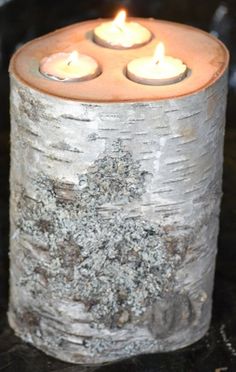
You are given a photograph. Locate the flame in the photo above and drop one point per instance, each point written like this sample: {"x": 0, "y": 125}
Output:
{"x": 73, "y": 57}
{"x": 120, "y": 19}
{"x": 159, "y": 54}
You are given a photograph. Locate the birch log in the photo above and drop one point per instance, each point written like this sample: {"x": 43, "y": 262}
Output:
{"x": 115, "y": 198}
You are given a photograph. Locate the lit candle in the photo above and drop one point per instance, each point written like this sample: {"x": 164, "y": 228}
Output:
{"x": 69, "y": 67}
{"x": 120, "y": 34}
{"x": 157, "y": 70}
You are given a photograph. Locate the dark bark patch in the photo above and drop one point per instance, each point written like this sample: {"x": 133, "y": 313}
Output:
{"x": 170, "y": 314}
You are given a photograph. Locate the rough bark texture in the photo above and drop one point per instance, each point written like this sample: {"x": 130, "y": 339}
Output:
{"x": 114, "y": 222}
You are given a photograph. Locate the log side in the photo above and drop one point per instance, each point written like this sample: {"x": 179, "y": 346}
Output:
{"x": 114, "y": 222}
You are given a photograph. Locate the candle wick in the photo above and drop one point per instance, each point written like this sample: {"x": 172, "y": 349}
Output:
{"x": 120, "y": 28}
{"x": 155, "y": 62}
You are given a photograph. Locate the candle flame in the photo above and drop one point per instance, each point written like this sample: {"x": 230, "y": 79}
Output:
{"x": 159, "y": 54}
{"x": 120, "y": 19}
{"x": 73, "y": 57}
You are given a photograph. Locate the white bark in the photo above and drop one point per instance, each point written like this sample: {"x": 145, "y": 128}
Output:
{"x": 114, "y": 222}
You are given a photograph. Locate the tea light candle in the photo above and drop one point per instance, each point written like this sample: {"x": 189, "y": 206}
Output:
{"x": 120, "y": 34}
{"x": 156, "y": 70}
{"x": 69, "y": 67}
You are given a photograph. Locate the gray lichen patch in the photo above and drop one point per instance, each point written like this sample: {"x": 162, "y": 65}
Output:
{"x": 117, "y": 266}
{"x": 113, "y": 178}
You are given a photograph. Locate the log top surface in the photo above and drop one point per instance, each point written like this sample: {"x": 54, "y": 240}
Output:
{"x": 205, "y": 56}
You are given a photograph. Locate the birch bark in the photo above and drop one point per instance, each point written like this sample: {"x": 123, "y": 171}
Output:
{"x": 114, "y": 222}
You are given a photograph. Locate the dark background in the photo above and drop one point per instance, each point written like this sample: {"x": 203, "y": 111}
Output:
{"x": 23, "y": 20}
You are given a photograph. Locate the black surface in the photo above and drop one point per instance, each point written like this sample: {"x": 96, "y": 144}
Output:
{"x": 23, "y": 20}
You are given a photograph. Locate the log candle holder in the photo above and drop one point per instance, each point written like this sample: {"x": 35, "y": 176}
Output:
{"x": 115, "y": 197}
